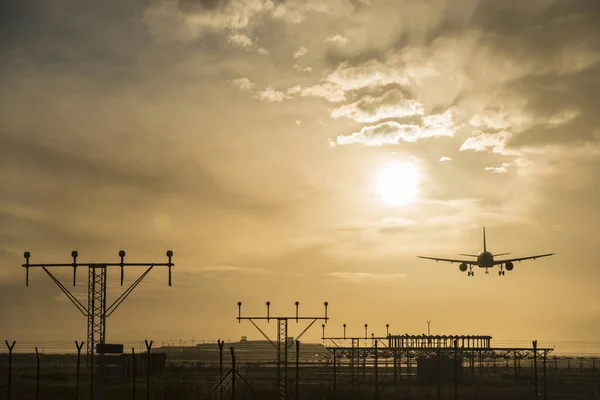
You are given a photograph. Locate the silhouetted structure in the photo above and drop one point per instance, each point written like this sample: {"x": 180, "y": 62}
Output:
{"x": 283, "y": 342}
{"x": 96, "y": 311}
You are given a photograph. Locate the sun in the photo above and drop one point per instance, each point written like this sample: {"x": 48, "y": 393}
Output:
{"x": 398, "y": 183}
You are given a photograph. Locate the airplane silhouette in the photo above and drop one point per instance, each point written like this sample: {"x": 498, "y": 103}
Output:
{"x": 485, "y": 259}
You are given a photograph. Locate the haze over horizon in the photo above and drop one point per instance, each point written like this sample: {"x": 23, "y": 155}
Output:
{"x": 302, "y": 151}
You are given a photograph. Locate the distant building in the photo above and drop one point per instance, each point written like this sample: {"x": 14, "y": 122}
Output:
{"x": 244, "y": 339}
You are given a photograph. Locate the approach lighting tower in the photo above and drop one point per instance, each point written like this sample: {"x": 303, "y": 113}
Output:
{"x": 96, "y": 310}
{"x": 282, "y": 332}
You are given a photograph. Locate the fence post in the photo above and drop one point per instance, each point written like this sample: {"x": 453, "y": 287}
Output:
{"x": 221, "y": 344}
{"x": 10, "y": 349}
{"x": 79, "y": 346}
{"x": 455, "y": 369}
{"x": 515, "y": 364}
{"x": 334, "y": 373}
{"x": 438, "y": 374}
{"x": 297, "y": 368}
{"x": 395, "y": 366}
{"x": 133, "y": 368}
{"x": 535, "y": 377}
{"x": 148, "y": 347}
{"x": 233, "y": 373}
{"x": 37, "y": 375}
{"x": 545, "y": 392}
{"x": 376, "y": 373}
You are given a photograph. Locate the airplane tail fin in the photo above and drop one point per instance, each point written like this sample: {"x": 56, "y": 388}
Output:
{"x": 484, "y": 245}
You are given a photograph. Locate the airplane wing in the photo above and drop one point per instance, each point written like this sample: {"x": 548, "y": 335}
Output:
{"x": 469, "y": 262}
{"x": 496, "y": 262}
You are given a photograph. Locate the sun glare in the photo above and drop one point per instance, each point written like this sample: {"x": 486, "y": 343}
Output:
{"x": 398, "y": 183}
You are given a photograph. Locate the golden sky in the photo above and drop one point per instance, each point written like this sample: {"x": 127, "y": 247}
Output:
{"x": 255, "y": 138}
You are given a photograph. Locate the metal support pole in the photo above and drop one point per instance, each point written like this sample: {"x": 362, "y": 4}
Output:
{"x": 297, "y": 368}
{"x": 376, "y": 373}
{"x": 535, "y": 377}
{"x": 438, "y": 375}
{"x": 79, "y": 346}
{"x": 10, "y": 349}
{"x": 233, "y": 373}
{"x": 334, "y": 373}
{"x": 395, "y": 365}
{"x": 133, "y": 368}
{"x": 148, "y": 348}
{"x": 282, "y": 355}
{"x": 364, "y": 360}
{"x": 221, "y": 344}
{"x": 455, "y": 369}
{"x": 545, "y": 377}
{"x": 37, "y": 375}
{"x": 354, "y": 364}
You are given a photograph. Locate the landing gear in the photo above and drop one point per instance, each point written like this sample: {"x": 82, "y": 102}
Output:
{"x": 470, "y": 273}
{"x": 501, "y": 273}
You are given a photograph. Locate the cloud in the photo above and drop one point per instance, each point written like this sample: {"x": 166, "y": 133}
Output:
{"x": 370, "y": 73}
{"x": 240, "y": 40}
{"x": 502, "y": 169}
{"x": 438, "y": 125}
{"x": 327, "y": 91}
{"x": 484, "y": 141}
{"x": 386, "y": 133}
{"x": 392, "y": 132}
{"x": 369, "y": 109}
{"x": 167, "y": 21}
{"x": 243, "y": 84}
{"x": 295, "y": 12}
{"x": 337, "y": 39}
{"x": 445, "y": 158}
{"x": 356, "y": 277}
{"x": 271, "y": 94}
{"x": 301, "y": 69}
{"x": 498, "y": 119}
{"x": 302, "y": 51}
{"x": 262, "y": 51}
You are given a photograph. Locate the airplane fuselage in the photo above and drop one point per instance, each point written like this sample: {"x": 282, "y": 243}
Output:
{"x": 485, "y": 259}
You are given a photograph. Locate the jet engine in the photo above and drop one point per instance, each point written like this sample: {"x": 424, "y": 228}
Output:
{"x": 509, "y": 266}
{"x": 463, "y": 267}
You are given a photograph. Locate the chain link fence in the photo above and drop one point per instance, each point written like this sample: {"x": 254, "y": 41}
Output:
{"x": 494, "y": 375}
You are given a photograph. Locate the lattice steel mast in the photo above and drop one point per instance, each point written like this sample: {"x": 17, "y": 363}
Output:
{"x": 96, "y": 310}
{"x": 282, "y": 346}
